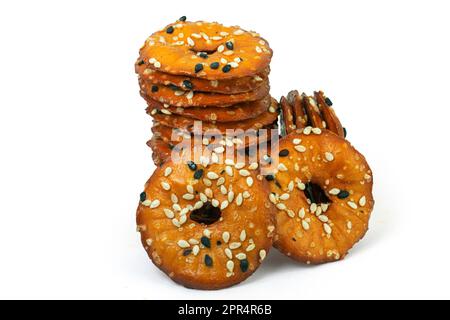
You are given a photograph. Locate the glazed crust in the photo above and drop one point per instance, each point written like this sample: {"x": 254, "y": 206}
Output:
{"x": 176, "y": 52}
{"x": 188, "y": 99}
{"x": 228, "y": 86}
{"x": 320, "y": 233}
{"x": 243, "y": 111}
{"x": 197, "y": 255}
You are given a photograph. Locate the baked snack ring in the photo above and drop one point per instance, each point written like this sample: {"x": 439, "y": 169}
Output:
{"x": 242, "y": 111}
{"x": 203, "y": 227}
{"x": 180, "y": 98}
{"x": 227, "y": 86}
{"x": 206, "y": 50}
{"x": 323, "y": 192}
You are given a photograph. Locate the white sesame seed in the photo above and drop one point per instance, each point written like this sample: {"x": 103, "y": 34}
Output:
{"x": 243, "y": 236}
{"x": 246, "y": 194}
{"x": 296, "y": 141}
{"x": 230, "y": 265}
{"x": 215, "y": 203}
{"x": 258, "y": 78}
{"x": 349, "y": 225}
{"x": 324, "y": 207}
{"x": 209, "y": 192}
{"x": 273, "y": 198}
{"x": 229, "y": 171}
{"x": 362, "y": 201}
{"x": 262, "y": 254}
{"x": 226, "y": 236}
{"x": 219, "y": 150}
{"x": 301, "y": 213}
{"x": 223, "y": 33}
{"x": 203, "y": 197}
{"x": 352, "y": 205}
{"x": 149, "y": 242}
{"x": 190, "y": 42}
{"x": 221, "y": 48}
{"x": 249, "y": 181}
{"x": 183, "y": 219}
{"x": 282, "y": 167}
{"x": 147, "y": 203}
{"x": 300, "y": 148}
{"x": 258, "y": 49}
{"x": 207, "y": 182}
{"x": 157, "y": 64}
{"x": 220, "y": 181}
{"x": 290, "y": 213}
{"x": 212, "y": 175}
{"x": 188, "y": 196}
{"x": 190, "y": 95}
{"x": 291, "y": 186}
{"x": 307, "y": 130}
{"x": 284, "y": 196}
{"x": 183, "y": 244}
{"x": 334, "y": 191}
{"x": 281, "y": 206}
{"x": 301, "y": 186}
{"x": 193, "y": 241}
{"x": 151, "y": 60}
{"x": 313, "y": 207}
{"x": 223, "y": 190}
{"x": 207, "y": 233}
{"x": 228, "y": 253}
{"x": 234, "y": 65}
{"x": 184, "y": 211}
{"x": 198, "y": 205}
{"x": 176, "y": 223}
{"x": 196, "y": 250}
{"x": 329, "y": 156}
{"x": 230, "y": 196}
{"x": 323, "y": 218}
{"x": 319, "y": 210}
{"x": 327, "y": 228}
{"x": 155, "y": 204}
{"x": 224, "y": 205}
{"x": 305, "y": 225}
{"x": 238, "y": 32}
{"x": 239, "y": 165}
{"x": 223, "y": 61}
{"x": 239, "y": 200}
{"x": 196, "y": 35}
{"x": 235, "y": 245}
{"x": 250, "y": 247}
{"x": 229, "y": 162}
{"x": 244, "y": 173}
{"x": 316, "y": 130}
{"x": 241, "y": 256}
{"x": 190, "y": 188}
{"x": 166, "y": 112}
{"x": 168, "y": 171}
{"x": 176, "y": 207}
{"x": 272, "y": 109}
{"x": 169, "y": 213}
{"x": 228, "y": 53}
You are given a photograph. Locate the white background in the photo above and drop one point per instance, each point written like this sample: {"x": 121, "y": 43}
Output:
{"x": 73, "y": 158}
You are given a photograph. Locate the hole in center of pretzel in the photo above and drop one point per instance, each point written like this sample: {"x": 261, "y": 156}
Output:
{"x": 208, "y": 214}
{"x": 315, "y": 193}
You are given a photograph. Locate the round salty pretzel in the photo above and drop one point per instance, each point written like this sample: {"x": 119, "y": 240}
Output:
{"x": 206, "y": 227}
{"x": 242, "y": 111}
{"x": 323, "y": 192}
{"x": 206, "y": 50}
{"x": 180, "y": 98}
{"x": 177, "y": 121}
{"x": 228, "y": 86}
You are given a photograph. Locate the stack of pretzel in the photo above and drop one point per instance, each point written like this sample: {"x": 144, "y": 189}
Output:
{"x": 199, "y": 71}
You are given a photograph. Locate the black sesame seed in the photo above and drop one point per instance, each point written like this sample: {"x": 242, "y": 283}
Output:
{"x": 192, "y": 165}
{"x": 208, "y": 261}
{"x": 170, "y": 30}
{"x": 244, "y": 265}
{"x": 174, "y": 87}
{"x": 188, "y": 85}
{"x": 328, "y": 102}
{"x": 226, "y": 69}
{"x": 345, "y": 132}
{"x": 155, "y": 89}
{"x": 143, "y": 196}
{"x": 214, "y": 65}
{"x": 198, "y": 174}
{"x": 206, "y": 242}
{"x": 229, "y": 45}
{"x": 284, "y": 153}
{"x": 293, "y": 239}
{"x": 278, "y": 184}
{"x": 203, "y": 55}
{"x": 343, "y": 194}
{"x": 187, "y": 252}
{"x": 270, "y": 177}
{"x": 198, "y": 67}
{"x": 140, "y": 63}
{"x": 182, "y": 19}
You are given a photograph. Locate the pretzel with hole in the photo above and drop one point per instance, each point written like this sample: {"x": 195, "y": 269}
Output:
{"x": 206, "y": 50}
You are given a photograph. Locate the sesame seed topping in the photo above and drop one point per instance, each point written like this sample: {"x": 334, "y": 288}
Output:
{"x": 198, "y": 67}
{"x": 258, "y": 49}
{"x": 323, "y": 218}
{"x": 301, "y": 213}
{"x": 198, "y": 205}
{"x": 246, "y": 194}
{"x": 230, "y": 196}
{"x": 198, "y": 174}
{"x": 362, "y": 201}
{"x": 235, "y": 245}
{"x": 343, "y": 194}
{"x": 170, "y": 30}
{"x": 282, "y": 167}
{"x": 249, "y": 181}
{"x": 212, "y": 175}
{"x": 209, "y": 192}
{"x": 291, "y": 186}
{"x": 155, "y": 204}
{"x": 215, "y": 203}
{"x": 188, "y": 196}
{"x": 307, "y": 130}
{"x": 168, "y": 171}
{"x": 262, "y": 254}
{"x": 226, "y": 68}
{"x": 281, "y": 206}
{"x": 190, "y": 188}
{"x": 244, "y": 173}
{"x": 349, "y": 225}
{"x": 229, "y": 162}
{"x": 239, "y": 165}
{"x": 208, "y": 261}
{"x": 226, "y": 237}
{"x": 329, "y": 156}
{"x": 241, "y": 256}
{"x": 334, "y": 191}
{"x": 214, "y": 65}
{"x": 190, "y": 95}
{"x": 243, "y": 236}
{"x": 203, "y": 197}
{"x": 230, "y": 266}
{"x": 251, "y": 247}
{"x": 183, "y": 244}
{"x": 284, "y": 196}
{"x": 169, "y": 213}
{"x": 228, "y": 253}
{"x": 244, "y": 265}
{"x": 316, "y": 130}
{"x": 219, "y": 150}
{"x": 206, "y": 242}
{"x": 229, "y": 171}
{"x": 284, "y": 153}
{"x": 239, "y": 200}
{"x": 238, "y": 32}
{"x": 352, "y": 205}
{"x": 220, "y": 181}
{"x": 313, "y": 207}
{"x": 300, "y": 148}
{"x": 157, "y": 64}
{"x": 196, "y": 250}
{"x": 190, "y": 42}
{"x": 305, "y": 225}
{"x": 228, "y": 53}
{"x": 327, "y": 228}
